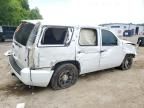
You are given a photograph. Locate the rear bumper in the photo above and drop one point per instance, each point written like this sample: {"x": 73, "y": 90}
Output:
{"x": 22, "y": 74}
{"x": 39, "y": 77}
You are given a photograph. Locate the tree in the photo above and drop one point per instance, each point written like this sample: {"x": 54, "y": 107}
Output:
{"x": 24, "y": 4}
{"x": 13, "y": 11}
{"x": 34, "y": 13}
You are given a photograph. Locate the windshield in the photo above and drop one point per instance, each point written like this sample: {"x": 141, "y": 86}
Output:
{"x": 23, "y": 32}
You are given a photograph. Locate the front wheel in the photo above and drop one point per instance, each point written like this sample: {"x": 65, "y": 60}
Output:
{"x": 127, "y": 63}
{"x": 64, "y": 76}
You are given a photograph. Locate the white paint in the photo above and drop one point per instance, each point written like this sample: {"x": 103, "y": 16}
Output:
{"x": 20, "y": 53}
{"x": 41, "y": 77}
{"x": 112, "y": 55}
{"x": 25, "y": 75}
{"x": 90, "y": 57}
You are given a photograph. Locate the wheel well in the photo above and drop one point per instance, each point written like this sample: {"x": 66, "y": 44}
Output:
{"x": 76, "y": 63}
{"x": 131, "y": 55}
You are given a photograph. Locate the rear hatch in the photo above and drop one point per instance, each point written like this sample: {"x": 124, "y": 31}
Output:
{"x": 21, "y": 37}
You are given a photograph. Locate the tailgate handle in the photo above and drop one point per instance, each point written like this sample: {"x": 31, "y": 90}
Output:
{"x": 18, "y": 45}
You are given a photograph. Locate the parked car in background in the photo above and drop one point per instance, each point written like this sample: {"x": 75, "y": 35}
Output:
{"x": 43, "y": 52}
{"x": 6, "y": 32}
{"x": 141, "y": 41}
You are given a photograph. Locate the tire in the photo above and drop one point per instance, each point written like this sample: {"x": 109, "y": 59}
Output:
{"x": 127, "y": 63}
{"x": 64, "y": 76}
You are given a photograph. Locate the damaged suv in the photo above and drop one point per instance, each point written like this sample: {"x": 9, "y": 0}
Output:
{"x": 56, "y": 54}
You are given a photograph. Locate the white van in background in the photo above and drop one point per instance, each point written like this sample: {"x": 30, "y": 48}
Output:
{"x": 44, "y": 53}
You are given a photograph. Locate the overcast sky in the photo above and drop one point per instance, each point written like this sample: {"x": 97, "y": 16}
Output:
{"x": 91, "y": 11}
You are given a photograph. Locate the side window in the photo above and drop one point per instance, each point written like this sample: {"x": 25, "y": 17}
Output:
{"x": 88, "y": 37}
{"x": 108, "y": 38}
{"x": 54, "y": 36}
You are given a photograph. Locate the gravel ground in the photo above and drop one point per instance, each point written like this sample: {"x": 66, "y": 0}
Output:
{"x": 111, "y": 88}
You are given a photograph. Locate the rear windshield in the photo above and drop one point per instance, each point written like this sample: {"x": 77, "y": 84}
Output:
{"x": 23, "y": 32}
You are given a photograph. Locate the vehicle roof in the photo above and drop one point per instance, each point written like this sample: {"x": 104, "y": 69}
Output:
{"x": 60, "y": 23}
{"x": 112, "y": 24}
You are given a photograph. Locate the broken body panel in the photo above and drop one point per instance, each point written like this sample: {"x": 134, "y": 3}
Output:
{"x": 34, "y": 62}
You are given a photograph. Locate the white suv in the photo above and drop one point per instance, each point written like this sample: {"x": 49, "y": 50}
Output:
{"x": 44, "y": 53}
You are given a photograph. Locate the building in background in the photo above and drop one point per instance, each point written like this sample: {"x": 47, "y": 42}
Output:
{"x": 125, "y": 29}
{"x": 140, "y": 29}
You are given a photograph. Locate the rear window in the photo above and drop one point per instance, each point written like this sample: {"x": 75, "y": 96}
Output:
{"x": 23, "y": 32}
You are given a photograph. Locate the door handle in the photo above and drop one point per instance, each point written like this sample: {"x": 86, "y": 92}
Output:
{"x": 103, "y": 51}
{"x": 81, "y": 51}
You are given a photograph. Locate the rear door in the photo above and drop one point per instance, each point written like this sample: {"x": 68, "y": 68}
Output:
{"x": 55, "y": 46}
{"x": 88, "y": 49}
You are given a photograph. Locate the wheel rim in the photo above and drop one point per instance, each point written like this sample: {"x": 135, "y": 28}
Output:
{"x": 66, "y": 78}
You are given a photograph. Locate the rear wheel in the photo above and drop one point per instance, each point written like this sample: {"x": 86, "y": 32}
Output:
{"x": 127, "y": 63}
{"x": 64, "y": 76}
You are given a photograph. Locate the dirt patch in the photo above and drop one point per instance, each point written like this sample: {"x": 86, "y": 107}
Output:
{"x": 110, "y": 88}
{"x": 19, "y": 89}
